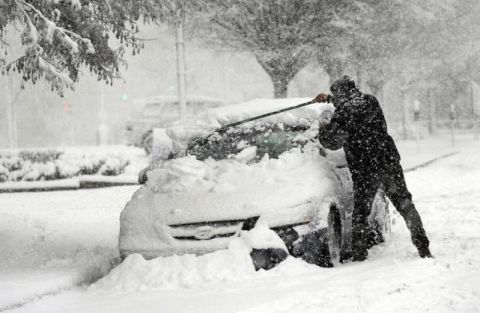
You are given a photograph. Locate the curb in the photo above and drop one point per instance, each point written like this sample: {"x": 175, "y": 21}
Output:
{"x": 427, "y": 163}
{"x": 79, "y": 184}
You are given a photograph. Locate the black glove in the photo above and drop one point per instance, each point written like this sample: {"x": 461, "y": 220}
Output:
{"x": 322, "y": 98}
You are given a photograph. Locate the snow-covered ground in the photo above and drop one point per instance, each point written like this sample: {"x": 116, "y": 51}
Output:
{"x": 54, "y": 242}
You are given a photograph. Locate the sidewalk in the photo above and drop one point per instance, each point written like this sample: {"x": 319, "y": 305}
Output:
{"x": 415, "y": 153}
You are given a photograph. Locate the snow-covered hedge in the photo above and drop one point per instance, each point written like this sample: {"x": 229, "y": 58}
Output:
{"x": 34, "y": 165}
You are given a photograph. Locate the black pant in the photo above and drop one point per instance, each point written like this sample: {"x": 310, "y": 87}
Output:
{"x": 365, "y": 186}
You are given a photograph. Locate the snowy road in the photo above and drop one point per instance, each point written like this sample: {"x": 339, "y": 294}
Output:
{"x": 394, "y": 279}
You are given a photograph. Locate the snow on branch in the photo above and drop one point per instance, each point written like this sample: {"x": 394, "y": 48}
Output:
{"x": 69, "y": 38}
{"x": 48, "y": 47}
{"x": 62, "y": 37}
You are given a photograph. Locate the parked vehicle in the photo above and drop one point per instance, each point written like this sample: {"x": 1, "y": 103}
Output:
{"x": 272, "y": 171}
{"x": 161, "y": 112}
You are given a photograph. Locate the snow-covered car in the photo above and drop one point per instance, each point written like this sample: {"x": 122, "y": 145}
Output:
{"x": 272, "y": 171}
{"x": 162, "y": 111}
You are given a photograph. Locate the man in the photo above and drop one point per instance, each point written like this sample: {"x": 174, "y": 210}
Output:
{"x": 359, "y": 126}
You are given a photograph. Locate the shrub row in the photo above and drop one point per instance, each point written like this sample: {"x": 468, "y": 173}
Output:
{"x": 33, "y": 165}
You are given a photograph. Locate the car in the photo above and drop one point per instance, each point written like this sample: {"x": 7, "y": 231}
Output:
{"x": 161, "y": 112}
{"x": 274, "y": 172}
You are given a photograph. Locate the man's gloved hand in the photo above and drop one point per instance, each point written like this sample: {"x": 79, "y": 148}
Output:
{"x": 321, "y": 98}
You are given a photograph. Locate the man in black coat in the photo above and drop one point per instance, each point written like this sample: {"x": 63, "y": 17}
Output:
{"x": 358, "y": 125}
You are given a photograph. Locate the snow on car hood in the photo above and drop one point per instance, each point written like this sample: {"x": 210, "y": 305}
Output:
{"x": 186, "y": 190}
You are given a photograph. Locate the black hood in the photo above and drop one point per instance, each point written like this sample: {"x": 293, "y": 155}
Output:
{"x": 344, "y": 88}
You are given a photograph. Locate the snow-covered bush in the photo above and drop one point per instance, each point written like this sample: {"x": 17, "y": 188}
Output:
{"x": 35, "y": 165}
{"x": 40, "y": 171}
{"x": 66, "y": 169}
{"x": 40, "y": 156}
{"x": 113, "y": 166}
{"x": 90, "y": 165}
{"x": 3, "y": 173}
{"x": 11, "y": 163}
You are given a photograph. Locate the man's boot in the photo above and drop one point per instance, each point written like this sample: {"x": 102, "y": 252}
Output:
{"x": 359, "y": 237}
{"x": 346, "y": 255}
{"x": 360, "y": 253}
{"x": 424, "y": 252}
{"x": 359, "y": 245}
{"x": 415, "y": 225}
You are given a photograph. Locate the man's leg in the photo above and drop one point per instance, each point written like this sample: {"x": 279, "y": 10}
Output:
{"x": 364, "y": 187}
{"x": 397, "y": 192}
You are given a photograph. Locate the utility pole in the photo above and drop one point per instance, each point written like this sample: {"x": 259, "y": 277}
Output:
{"x": 67, "y": 109}
{"x": 102, "y": 129}
{"x": 432, "y": 113}
{"x": 452, "y": 114}
{"x": 416, "y": 119}
{"x": 404, "y": 115}
{"x": 11, "y": 114}
{"x": 475, "y": 98}
{"x": 182, "y": 84}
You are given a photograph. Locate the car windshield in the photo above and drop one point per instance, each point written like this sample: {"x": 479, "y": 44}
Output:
{"x": 269, "y": 138}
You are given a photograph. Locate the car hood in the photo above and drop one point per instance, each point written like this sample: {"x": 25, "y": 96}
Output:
{"x": 281, "y": 191}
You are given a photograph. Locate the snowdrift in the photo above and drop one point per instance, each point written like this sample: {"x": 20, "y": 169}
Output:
{"x": 190, "y": 271}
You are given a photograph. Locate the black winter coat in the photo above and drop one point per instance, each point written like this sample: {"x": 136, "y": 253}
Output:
{"x": 359, "y": 126}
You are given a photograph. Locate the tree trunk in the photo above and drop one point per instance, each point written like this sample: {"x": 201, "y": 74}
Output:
{"x": 182, "y": 85}
{"x": 334, "y": 68}
{"x": 282, "y": 68}
{"x": 432, "y": 113}
{"x": 404, "y": 116}
{"x": 359, "y": 78}
{"x": 376, "y": 88}
{"x": 280, "y": 87}
{"x": 11, "y": 113}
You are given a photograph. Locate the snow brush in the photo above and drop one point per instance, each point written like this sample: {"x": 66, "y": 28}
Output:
{"x": 202, "y": 141}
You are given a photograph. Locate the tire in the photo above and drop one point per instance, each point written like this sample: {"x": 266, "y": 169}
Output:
{"x": 267, "y": 258}
{"x": 289, "y": 236}
{"x": 313, "y": 248}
